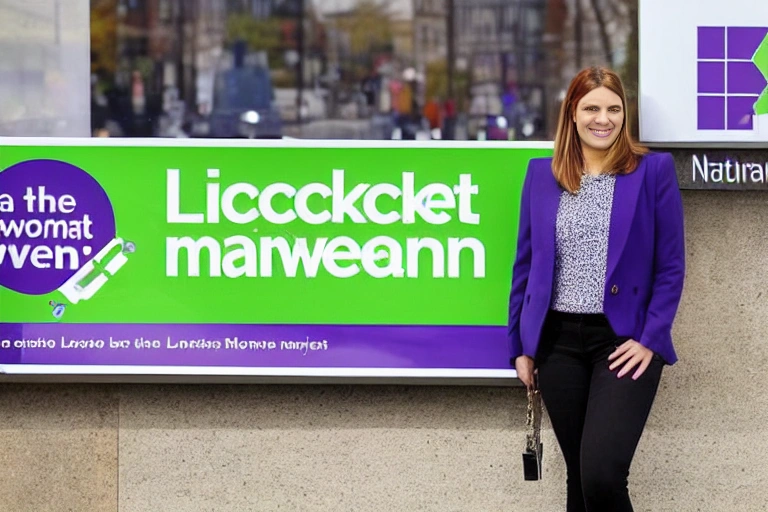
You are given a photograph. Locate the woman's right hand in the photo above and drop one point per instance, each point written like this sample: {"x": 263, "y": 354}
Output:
{"x": 525, "y": 371}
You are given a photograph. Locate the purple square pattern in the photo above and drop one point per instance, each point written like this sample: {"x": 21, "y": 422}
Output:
{"x": 728, "y": 82}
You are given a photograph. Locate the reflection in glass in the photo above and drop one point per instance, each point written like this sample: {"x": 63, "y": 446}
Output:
{"x": 44, "y": 75}
{"x": 371, "y": 69}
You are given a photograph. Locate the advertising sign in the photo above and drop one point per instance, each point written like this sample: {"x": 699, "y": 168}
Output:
{"x": 287, "y": 258}
{"x": 721, "y": 169}
{"x": 703, "y": 71}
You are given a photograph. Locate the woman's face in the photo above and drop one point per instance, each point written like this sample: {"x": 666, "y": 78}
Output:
{"x": 599, "y": 117}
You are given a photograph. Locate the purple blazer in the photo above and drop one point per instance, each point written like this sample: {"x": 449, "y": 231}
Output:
{"x": 646, "y": 256}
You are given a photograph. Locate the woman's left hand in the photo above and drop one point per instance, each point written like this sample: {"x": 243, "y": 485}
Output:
{"x": 631, "y": 354}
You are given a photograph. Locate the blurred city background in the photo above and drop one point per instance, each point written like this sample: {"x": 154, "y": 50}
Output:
{"x": 351, "y": 69}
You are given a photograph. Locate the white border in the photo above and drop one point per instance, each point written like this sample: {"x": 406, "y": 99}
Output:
{"x": 267, "y": 143}
{"x": 458, "y": 373}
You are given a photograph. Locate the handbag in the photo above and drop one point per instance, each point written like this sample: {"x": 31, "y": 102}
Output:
{"x": 533, "y": 445}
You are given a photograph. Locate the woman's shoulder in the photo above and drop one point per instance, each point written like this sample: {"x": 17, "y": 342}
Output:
{"x": 540, "y": 165}
{"x": 540, "y": 162}
{"x": 539, "y": 175}
{"x": 658, "y": 161}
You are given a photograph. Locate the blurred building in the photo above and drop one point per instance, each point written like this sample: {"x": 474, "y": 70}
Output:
{"x": 484, "y": 61}
{"x": 501, "y": 44}
{"x": 171, "y": 43}
{"x": 502, "y": 39}
{"x": 595, "y": 32}
{"x": 430, "y": 31}
{"x": 44, "y": 75}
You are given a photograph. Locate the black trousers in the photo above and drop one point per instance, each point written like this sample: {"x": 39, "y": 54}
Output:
{"x": 597, "y": 418}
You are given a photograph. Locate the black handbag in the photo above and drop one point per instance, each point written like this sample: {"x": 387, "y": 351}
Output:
{"x": 533, "y": 445}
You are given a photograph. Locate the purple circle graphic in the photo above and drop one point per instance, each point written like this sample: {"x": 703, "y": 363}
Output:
{"x": 54, "y": 218}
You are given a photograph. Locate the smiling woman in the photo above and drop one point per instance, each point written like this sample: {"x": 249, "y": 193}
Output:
{"x": 596, "y": 283}
{"x": 599, "y": 117}
{"x": 593, "y": 134}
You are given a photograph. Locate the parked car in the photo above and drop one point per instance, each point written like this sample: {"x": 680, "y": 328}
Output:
{"x": 243, "y": 106}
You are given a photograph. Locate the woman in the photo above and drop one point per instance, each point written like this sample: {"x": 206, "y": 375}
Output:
{"x": 596, "y": 284}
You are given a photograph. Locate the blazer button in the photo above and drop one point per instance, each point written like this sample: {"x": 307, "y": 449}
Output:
{"x": 615, "y": 290}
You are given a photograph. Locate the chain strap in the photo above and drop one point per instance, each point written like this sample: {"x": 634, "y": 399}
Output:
{"x": 533, "y": 420}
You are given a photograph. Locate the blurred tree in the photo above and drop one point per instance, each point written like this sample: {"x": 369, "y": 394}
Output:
{"x": 602, "y": 27}
{"x": 437, "y": 81}
{"x": 104, "y": 37}
{"x": 629, "y": 72}
{"x": 368, "y": 25}
{"x": 277, "y": 35}
{"x": 259, "y": 35}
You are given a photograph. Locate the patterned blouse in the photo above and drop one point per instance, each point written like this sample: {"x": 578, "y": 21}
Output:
{"x": 581, "y": 245}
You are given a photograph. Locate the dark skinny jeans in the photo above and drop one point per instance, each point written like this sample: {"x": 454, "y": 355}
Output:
{"x": 597, "y": 418}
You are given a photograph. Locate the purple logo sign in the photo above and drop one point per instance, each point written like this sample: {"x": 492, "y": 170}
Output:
{"x": 732, "y": 77}
{"x": 54, "y": 218}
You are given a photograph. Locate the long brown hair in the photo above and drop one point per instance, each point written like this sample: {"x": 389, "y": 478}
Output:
{"x": 623, "y": 156}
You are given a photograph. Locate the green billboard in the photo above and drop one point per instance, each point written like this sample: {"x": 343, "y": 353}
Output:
{"x": 273, "y": 257}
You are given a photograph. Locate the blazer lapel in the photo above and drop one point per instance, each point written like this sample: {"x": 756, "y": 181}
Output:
{"x": 625, "y": 194}
{"x": 550, "y": 201}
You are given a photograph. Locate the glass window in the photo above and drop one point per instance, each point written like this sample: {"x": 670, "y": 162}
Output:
{"x": 376, "y": 69}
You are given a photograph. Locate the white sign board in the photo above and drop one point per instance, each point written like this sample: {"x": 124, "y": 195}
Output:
{"x": 703, "y": 71}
